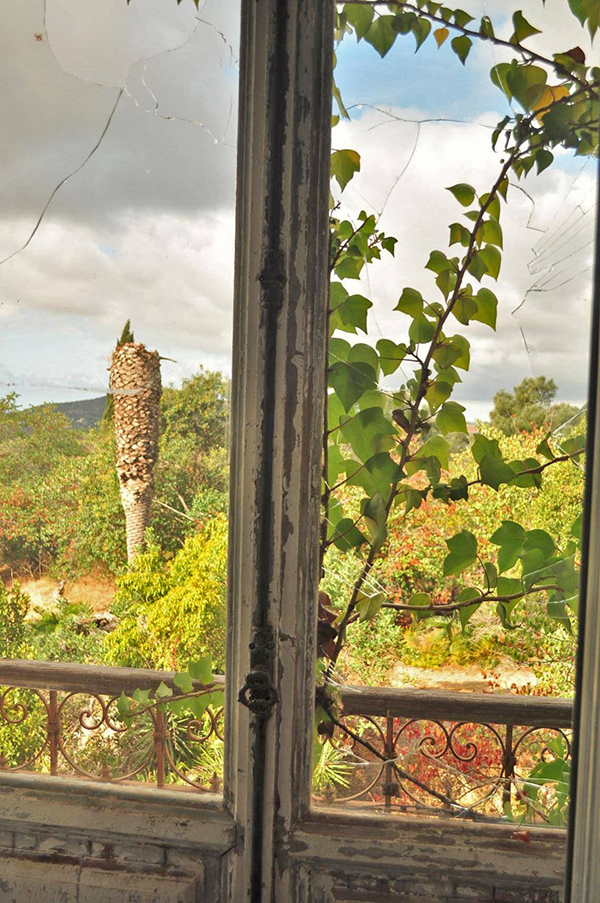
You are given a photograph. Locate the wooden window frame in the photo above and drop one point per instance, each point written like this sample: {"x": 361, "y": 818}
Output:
{"x": 583, "y": 848}
{"x": 276, "y": 849}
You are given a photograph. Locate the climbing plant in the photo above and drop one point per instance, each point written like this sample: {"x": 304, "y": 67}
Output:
{"x": 393, "y": 447}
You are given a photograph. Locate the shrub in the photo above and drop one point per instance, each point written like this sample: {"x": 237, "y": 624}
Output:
{"x": 173, "y": 611}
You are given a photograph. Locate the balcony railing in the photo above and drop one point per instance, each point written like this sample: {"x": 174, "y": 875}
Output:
{"x": 63, "y": 719}
{"x": 405, "y": 750}
{"x": 465, "y": 754}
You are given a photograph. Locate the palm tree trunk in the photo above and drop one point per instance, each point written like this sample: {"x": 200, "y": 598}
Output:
{"x": 136, "y": 387}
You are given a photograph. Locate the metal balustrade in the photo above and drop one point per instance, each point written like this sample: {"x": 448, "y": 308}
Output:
{"x": 404, "y": 750}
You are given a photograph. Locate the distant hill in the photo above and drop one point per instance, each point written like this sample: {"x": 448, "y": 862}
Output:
{"x": 83, "y": 414}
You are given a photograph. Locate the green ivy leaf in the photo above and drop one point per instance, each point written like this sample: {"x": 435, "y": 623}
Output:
{"x": 348, "y": 312}
{"x": 587, "y": 11}
{"x": 384, "y": 471}
{"x": 420, "y": 600}
{"x": 523, "y": 28}
{"x": 557, "y": 610}
{"x": 413, "y": 499}
{"x": 462, "y": 18}
{"x": 375, "y": 517}
{"x": 411, "y": 302}
{"x": 123, "y": 705}
{"x": 477, "y": 267}
{"x": 367, "y": 432}
{"x": 492, "y": 259}
{"x": 446, "y": 354}
{"x": 438, "y": 262}
{"x": 491, "y": 232}
{"x": 421, "y": 330}
{"x": 484, "y": 446}
{"x": 142, "y": 697}
{"x": 459, "y": 488}
{"x": 349, "y": 381}
{"x": 420, "y": 28}
{"x": 382, "y": 34}
{"x": 437, "y": 447}
{"x": 163, "y": 691}
{"x": 539, "y": 539}
{"x": 462, "y": 554}
{"x": 466, "y": 613}
{"x": 491, "y": 574}
{"x": 391, "y": 355}
{"x": 364, "y": 354}
{"x": 349, "y": 267}
{"x": 201, "y": 670}
{"x": 339, "y": 349}
{"x": 451, "y": 418}
{"x": 464, "y": 193}
{"x": 335, "y": 514}
{"x": 487, "y": 307}
{"x": 459, "y": 235}
{"x": 458, "y": 341}
{"x": 348, "y": 536}
{"x": 344, "y": 165}
{"x": 360, "y": 17}
{"x": 464, "y": 309}
{"x": 577, "y": 527}
{"x": 508, "y": 586}
{"x": 183, "y": 681}
{"x": 511, "y": 538}
{"x": 486, "y": 29}
{"x": 369, "y": 606}
{"x": 493, "y": 207}
{"x": 543, "y": 159}
{"x": 494, "y": 471}
{"x": 461, "y": 46}
{"x": 504, "y": 610}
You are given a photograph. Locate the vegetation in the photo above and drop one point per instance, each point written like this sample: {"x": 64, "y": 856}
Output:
{"x": 436, "y": 545}
{"x": 531, "y": 405}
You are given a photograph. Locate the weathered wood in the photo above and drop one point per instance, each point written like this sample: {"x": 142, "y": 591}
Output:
{"x": 278, "y": 392}
{"x": 104, "y": 811}
{"x": 85, "y": 678}
{"x": 373, "y": 844}
{"x": 486, "y": 708}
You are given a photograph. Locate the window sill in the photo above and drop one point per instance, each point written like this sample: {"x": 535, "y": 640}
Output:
{"x": 146, "y": 814}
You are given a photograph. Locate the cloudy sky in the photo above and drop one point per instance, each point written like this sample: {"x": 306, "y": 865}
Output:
{"x": 144, "y": 228}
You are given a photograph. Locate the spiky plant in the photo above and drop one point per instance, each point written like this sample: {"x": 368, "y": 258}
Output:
{"x": 136, "y": 389}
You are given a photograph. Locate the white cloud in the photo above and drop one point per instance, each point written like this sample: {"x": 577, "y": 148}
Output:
{"x": 417, "y": 210}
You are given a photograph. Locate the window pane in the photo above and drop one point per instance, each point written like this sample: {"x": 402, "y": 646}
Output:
{"x": 116, "y": 278}
{"x": 463, "y": 223}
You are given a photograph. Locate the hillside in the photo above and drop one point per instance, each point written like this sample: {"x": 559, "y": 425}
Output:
{"x": 83, "y": 414}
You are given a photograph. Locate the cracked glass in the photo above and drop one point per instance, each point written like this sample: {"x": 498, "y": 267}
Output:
{"x": 456, "y": 409}
{"x": 116, "y": 278}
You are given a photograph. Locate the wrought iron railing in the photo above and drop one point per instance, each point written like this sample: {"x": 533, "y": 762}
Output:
{"x": 465, "y": 754}
{"x": 65, "y": 720}
{"x": 480, "y": 755}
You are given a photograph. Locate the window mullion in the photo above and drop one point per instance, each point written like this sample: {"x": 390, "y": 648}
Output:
{"x": 278, "y": 394}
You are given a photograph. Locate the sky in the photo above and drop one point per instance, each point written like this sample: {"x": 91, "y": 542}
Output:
{"x": 136, "y": 107}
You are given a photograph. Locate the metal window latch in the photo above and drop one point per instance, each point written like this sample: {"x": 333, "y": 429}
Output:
{"x": 258, "y": 693}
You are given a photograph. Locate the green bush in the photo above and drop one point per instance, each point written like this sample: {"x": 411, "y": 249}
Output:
{"x": 14, "y": 605}
{"x": 172, "y": 611}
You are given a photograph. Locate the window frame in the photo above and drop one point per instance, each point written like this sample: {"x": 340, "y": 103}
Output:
{"x": 275, "y": 847}
{"x": 583, "y": 846}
